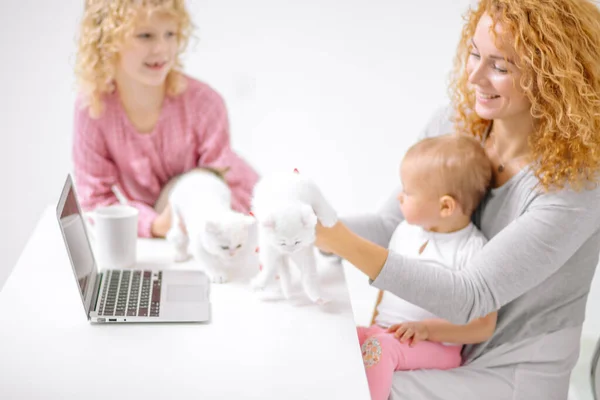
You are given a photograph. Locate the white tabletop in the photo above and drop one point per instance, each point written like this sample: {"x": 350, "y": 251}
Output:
{"x": 252, "y": 348}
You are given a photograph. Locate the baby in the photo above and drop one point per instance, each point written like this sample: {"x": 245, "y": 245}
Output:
{"x": 443, "y": 180}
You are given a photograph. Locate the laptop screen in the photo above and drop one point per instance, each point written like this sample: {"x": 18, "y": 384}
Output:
{"x": 74, "y": 233}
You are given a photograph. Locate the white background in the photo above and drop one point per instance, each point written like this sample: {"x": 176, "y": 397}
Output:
{"x": 336, "y": 89}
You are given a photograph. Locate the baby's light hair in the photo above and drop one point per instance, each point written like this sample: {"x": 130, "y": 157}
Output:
{"x": 455, "y": 165}
{"x": 104, "y": 27}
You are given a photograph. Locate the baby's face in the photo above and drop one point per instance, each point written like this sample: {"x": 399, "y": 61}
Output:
{"x": 417, "y": 202}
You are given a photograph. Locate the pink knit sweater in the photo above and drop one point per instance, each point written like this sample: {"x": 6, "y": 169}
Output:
{"x": 192, "y": 131}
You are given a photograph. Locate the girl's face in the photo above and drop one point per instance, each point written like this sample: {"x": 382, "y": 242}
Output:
{"x": 495, "y": 81}
{"x": 149, "y": 53}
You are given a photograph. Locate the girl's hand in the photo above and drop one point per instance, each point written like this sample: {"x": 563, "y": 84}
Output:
{"x": 411, "y": 332}
{"x": 162, "y": 223}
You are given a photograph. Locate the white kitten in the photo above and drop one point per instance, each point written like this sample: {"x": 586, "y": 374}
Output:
{"x": 287, "y": 207}
{"x": 216, "y": 235}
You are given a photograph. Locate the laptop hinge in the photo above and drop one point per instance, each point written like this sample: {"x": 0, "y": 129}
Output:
{"x": 96, "y": 292}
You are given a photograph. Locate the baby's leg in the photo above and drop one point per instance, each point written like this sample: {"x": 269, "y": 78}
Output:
{"x": 383, "y": 354}
{"x": 430, "y": 355}
{"x": 364, "y": 332}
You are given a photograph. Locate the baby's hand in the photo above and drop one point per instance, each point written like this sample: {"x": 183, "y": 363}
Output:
{"x": 413, "y": 332}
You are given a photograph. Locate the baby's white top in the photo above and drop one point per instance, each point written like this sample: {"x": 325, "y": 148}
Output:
{"x": 446, "y": 250}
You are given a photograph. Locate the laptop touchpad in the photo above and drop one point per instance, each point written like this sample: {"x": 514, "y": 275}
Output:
{"x": 186, "y": 293}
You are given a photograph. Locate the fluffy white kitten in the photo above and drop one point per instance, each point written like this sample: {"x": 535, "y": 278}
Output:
{"x": 216, "y": 235}
{"x": 287, "y": 206}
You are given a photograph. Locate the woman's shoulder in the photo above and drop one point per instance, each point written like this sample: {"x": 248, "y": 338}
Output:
{"x": 523, "y": 193}
{"x": 585, "y": 198}
{"x": 440, "y": 122}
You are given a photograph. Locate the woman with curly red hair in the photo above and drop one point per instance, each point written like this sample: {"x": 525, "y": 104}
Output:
{"x": 526, "y": 83}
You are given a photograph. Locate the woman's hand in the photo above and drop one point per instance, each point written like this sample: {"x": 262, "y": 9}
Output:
{"x": 341, "y": 241}
{"x": 325, "y": 237}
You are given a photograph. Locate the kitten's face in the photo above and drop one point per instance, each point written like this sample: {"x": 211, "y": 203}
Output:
{"x": 226, "y": 237}
{"x": 290, "y": 229}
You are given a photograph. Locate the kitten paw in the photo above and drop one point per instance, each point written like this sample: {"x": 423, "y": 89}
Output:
{"x": 219, "y": 278}
{"x": 321, "y": 302}
{"x": 286, "y": 292}
{"x": 257, "y": 284}
{"x": 182, "y": 257}
{"x": 176, "y": 238}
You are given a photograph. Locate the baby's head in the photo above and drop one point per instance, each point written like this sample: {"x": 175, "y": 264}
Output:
{"x": 443, "y": 179}
{"x": 289, "y": 228}
{"x": 136, "y": 39}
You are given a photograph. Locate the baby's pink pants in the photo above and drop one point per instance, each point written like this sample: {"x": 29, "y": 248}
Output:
{"x": 383, "y": 354}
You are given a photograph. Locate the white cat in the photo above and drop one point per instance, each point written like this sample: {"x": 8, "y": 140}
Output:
{"x": 216, "y": 235}
{"x": 287, "y": 206}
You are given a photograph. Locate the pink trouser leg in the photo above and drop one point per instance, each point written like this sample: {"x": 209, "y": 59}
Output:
{"x": 365, "y": 331}
{"x": 383, "y": 354}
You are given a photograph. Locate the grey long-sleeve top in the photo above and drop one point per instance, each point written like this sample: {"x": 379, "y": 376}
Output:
{"x": 536, "y": 269}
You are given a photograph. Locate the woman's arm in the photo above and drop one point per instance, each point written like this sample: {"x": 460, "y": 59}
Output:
{"x": 215, "y": 151}
{"x": 520, "y": 257}
{"x": 367, "y": 256}
{"x": 95, "y": 173}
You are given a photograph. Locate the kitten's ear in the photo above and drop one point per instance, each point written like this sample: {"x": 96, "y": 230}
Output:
{"x": 249, "y": 221}
{"x": 309, "y": 218}
{"x": 212, "y": 227}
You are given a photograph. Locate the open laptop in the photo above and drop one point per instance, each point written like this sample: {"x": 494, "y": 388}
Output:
{"x": 128, "y": 295}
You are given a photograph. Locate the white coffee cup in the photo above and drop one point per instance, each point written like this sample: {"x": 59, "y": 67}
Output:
{"x": 114, "y": 232}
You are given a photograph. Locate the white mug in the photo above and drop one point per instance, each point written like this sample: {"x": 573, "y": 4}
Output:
{"x": 114, "y": 232}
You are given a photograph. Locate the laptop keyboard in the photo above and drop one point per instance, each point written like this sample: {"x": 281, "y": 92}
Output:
{"x": 133, "y": 293}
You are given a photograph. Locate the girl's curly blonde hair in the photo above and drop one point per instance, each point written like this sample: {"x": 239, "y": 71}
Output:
{"x": 557, "y": 43}
{"x": 104, "y": 27}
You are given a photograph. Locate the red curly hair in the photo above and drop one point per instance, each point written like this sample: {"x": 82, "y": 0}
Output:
{"x": 557, "y": 43}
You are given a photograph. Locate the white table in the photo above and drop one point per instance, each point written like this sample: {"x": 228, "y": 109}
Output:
{"x": 252, "y": 349}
